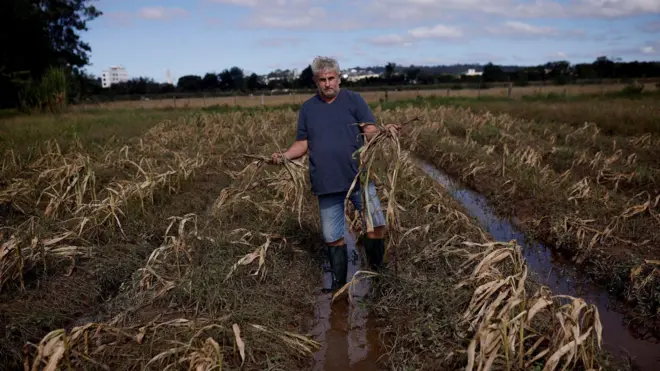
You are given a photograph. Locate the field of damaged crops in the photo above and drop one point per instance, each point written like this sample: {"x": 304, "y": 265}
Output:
{"x": 162, "y": 239}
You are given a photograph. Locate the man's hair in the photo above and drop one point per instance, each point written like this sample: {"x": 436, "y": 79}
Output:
{"x": 324, "y": 63}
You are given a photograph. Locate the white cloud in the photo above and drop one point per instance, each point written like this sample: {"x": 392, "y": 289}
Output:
{"x": 279, "y": 41}
{"x": 613, "y": 8}
{"x": 516, "y": 28}
{"x": 389, "y": 40}
{"x": 436, "y": 32}
{"x": 649, "y": 50}
{"x": 557, "y": 55}
{"x": 420, "y": 10}
{"x": 286, "y": 14}
{"x": 161, "y": 12}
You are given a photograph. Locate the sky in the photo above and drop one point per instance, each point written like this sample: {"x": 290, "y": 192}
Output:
{"x": 149, "y": 37}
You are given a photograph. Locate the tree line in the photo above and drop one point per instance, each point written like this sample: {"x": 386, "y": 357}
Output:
{"x": 42, "y": 63}
{"x": 233, "y": 80}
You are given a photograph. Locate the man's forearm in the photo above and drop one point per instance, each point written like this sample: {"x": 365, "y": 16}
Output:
{"x": 369, "y": 130}
{"x": 297, "y": 150}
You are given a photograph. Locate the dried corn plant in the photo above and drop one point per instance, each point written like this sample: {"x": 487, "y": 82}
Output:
{"x": 20, "y": 254}
{"x": 168, "y": 264}
{"x": 366, "y": 156}
{"x": 512, "y": 330}
{"x": 259, "y": 253}
{"x": 287, "y": 187}
{"x": 200, "y": 344}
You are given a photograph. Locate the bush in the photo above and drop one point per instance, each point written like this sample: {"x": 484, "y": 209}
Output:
{"x": 633, "y": 88}
{"x": 45, "y": 95}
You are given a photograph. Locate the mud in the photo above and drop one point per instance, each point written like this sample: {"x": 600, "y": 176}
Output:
{"x": 620, "y": 337}
{"x": 347, "y": 330}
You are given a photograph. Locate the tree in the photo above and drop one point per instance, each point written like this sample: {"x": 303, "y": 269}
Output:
{"x": 238, "y": 78}
{"x": 604, "y": 67}
{"x": 412, "y": 73}
{"x": 210, "y": 81}
{"x": 39, "y": 34}
{"x": 189, "y": 83}
{"x": 493, "y": 73}
{"x": 253, "y": 82}
{"x": 389, "y": 70}
{"x": 306, "y": 78}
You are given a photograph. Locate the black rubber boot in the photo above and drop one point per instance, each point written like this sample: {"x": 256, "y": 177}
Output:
{"x": 338, "y": 256}
{"x": 375, "y": 251}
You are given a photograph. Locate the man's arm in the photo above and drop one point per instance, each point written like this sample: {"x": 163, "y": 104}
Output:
{"x": 299, "y": 147}
{"x": 365, "y": 117}
{"x": 297, "y": 150}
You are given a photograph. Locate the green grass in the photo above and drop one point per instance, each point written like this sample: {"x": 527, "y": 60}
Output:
{"x": 21, "y": 132}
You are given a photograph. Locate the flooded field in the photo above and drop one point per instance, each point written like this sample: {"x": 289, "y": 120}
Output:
{"x": 175, "y": 245}
{"x": 621, "y": 336}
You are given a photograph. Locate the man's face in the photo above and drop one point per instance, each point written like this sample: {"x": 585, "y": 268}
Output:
{"x": 328, "y": 83}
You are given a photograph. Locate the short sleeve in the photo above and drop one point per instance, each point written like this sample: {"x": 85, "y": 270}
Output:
{"x": 301, "y": 134}
{"x": 363, "y": 111}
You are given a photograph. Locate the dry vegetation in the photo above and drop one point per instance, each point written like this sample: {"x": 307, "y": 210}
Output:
{"x": 182, "y": 249}
{"x": 370, "y": 96}
{"x": 593, "y": 194}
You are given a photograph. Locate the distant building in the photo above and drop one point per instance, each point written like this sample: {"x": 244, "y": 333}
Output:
{"x": 473, "y": 72}
{"x": 113, "y": 75}
{"x": 358, "y": 74}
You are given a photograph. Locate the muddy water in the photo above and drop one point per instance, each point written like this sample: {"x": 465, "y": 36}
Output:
{"x": 547, "y": 268}
{"x": 346, "y": 330}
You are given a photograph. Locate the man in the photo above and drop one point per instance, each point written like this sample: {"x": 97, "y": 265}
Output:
{"x": 328, "y": 129}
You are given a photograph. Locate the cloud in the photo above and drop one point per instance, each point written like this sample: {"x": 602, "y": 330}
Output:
{"x": 161, "y": 13}
{"x": 438, "y": 31}
{"x": 527, "y": 30}
{"x": 650, "y": 50}
{"x": 613, "y": 8}
{"x": 426, "y": 10}
{"x": 288, "y": 14}
{"x": 516, "y": 28}
{"x": 279, "y": 41}
{"x": 557, "y": 55}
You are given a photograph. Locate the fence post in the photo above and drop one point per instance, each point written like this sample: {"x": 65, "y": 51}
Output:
{"x": 262, "y": 99}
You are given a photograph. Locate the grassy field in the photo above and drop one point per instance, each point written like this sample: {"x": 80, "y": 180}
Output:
{"x": 372, "y": 97}
{"x": 141, "y": 239}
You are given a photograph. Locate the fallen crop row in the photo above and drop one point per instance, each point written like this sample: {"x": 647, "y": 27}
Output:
{"x": 614, "y": 234}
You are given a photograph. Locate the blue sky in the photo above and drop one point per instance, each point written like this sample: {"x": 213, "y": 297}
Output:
{"x": 198, "y": 36}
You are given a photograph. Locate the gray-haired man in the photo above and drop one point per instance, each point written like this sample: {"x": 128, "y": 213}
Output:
{"x": 327, "y": 130}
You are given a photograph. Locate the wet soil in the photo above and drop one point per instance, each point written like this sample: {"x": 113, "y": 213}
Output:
{"x": 347, "y": 331}
{"x": 620, "y": 336}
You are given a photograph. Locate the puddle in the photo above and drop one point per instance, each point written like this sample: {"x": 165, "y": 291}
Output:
{"x": 549, "y": 269}
{"x": 347, "y": 331}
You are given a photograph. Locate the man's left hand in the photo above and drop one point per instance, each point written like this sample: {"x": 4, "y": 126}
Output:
{"x": 395, "y": 127}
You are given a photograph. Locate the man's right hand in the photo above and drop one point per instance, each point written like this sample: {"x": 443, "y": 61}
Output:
{"x": 277, "y": 158}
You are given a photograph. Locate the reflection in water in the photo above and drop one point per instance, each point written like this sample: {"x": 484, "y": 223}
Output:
{"x": 559, "y": 275}
{"x": 346, "y": 331}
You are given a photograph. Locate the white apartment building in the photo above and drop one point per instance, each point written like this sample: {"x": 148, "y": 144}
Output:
{"x": 473, "y": 72}
{"x": 113, "y": 75}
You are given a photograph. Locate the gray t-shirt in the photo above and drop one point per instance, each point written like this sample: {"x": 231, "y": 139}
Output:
{"x": 333, "y": 136}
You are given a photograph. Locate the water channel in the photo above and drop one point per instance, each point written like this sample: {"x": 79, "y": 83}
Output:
{"x": 349, "y": 336}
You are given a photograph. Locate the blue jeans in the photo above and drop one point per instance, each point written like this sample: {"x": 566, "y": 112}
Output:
{"x": 331, "y": 208}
